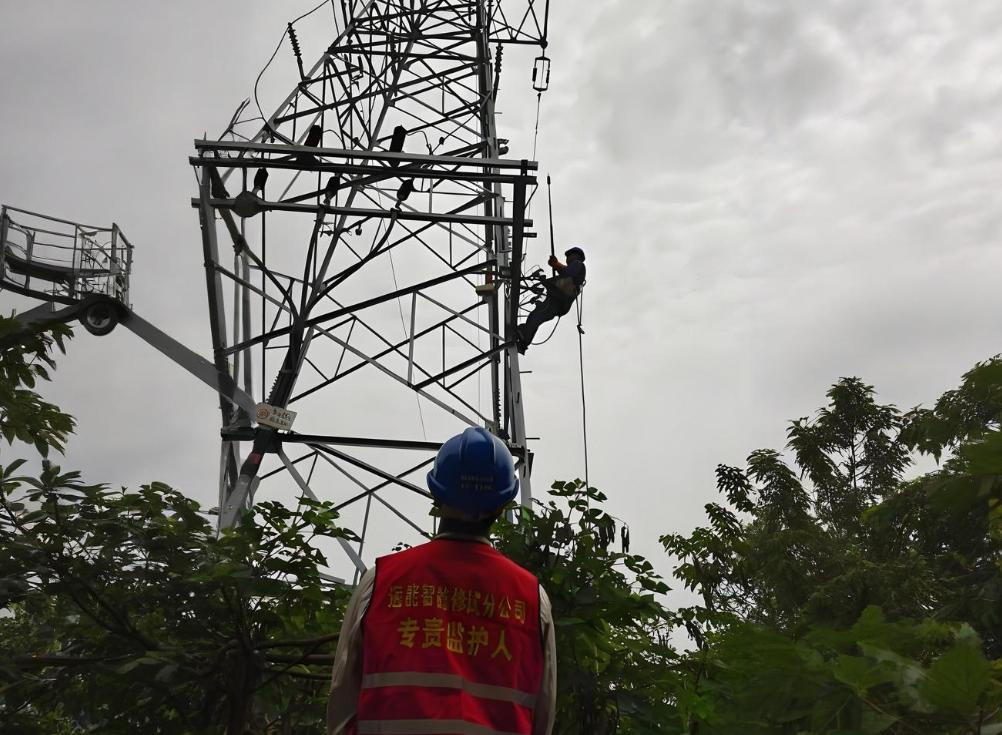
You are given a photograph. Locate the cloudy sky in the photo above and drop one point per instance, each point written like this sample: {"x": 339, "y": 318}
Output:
{"x": 772, "y": 194}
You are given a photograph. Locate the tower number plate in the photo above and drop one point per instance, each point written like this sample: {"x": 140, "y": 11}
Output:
{"x": 277, "y": 418}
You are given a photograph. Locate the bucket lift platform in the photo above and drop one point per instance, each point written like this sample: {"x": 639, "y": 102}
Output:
{"x": 82, "y": 273}
{"x": 84, "y": 268}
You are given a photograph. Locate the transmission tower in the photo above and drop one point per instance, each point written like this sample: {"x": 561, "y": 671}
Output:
{"x": 363, "y": 258}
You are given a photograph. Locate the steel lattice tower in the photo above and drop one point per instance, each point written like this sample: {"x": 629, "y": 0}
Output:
{"x": 363, "y": 251}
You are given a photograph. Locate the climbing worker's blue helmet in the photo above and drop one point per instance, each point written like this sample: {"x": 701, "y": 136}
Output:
{"x": 474, "y": 473}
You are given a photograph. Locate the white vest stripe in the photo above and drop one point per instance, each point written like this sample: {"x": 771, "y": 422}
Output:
{"x": 449, "y": 681}
{"x": 425, "y": 727}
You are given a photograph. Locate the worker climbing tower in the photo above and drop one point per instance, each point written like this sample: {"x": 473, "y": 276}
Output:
{"x": 363, "y": 253}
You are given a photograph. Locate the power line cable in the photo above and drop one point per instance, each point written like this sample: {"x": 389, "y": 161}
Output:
{"x": 403, "y": 325}
{"x": 257, "y": 81}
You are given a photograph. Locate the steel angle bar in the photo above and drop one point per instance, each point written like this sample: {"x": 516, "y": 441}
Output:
{"x": 380, "y": 49}
{"x": 331, "y": 283}
{"x": 446, "y": 51}
{"x": 281, "y": 468}
{"x": 414, "y": 234}
{"x": 371, "y": 469}
{"x": 453, "y": 74}
{"x": 410, "y": 340}
{"x": 384, "y": 484}
{"x": 367, "y": 184}
{"x": 443, "y": 117}
{"x": 479, "y": 199}
{"x": 372, "y": 213}
{"x": 358, "y": 306}
{"x": 393, "y": 348}
{"x": 449, "y": 124}
{"x": 464, "y": 364}
{"x": 460, "y": 314}
{"x": 462, "y": 336}
{"x": 417, "y": 95}
{"x": 382, "y": 368}
{"x": 340, "y": 360}
{"x": 459, "y": 381}
{"x": 499, "y": 163}
{"x": 373, "y": 492}
{"x": 392, "y": 37}
{"x": 377, "y": 173}
{"x": 455, "y": 82}
{"x": 248, "y": 285}
{"x": 217, "y": 314}
{"x": 315, "y": 367}
{"x": 371, "y": 92}
{"x": 271, "y": 299}
{"x": 374, "y": 361}
{"x": 473, "y": 108}
{"x": 248, "y": 434}
{"x": 355, "y": 558}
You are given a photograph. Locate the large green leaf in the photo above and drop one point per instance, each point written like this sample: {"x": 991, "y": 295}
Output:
{"x": 985, "y": 456}
{"x": 957, "y": 679}
{"x": 862, "y": 673}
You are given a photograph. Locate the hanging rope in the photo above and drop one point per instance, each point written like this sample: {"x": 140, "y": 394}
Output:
{"x": 549, "y": 199}
{"x": 584, "y": 404}
{"x": 580, "y": 307}
{"x": 400, "y": 309}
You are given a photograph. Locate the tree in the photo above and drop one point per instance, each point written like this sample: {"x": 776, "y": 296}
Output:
{"x": 125, "y": 611}
{"x": 25, "y": 358}
{"x": 614, "y": 660}
{"x": 839, "y": 597}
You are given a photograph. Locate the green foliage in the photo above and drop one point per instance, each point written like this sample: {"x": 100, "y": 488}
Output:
{"x": 838, "y": 597}
{"x": 615, "y": 664}
{"x": 125, "y": 611}
{"x": 876, "y": 676}
{"x": 25, "y": 359}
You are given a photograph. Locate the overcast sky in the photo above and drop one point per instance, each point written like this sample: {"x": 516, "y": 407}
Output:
{"x": 772, "y": 194}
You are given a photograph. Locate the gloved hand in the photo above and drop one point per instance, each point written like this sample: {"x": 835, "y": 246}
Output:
{"x": 553, "y": 262}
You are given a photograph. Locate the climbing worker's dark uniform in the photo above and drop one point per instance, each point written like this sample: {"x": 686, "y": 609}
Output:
{"x": 561, "y": 291}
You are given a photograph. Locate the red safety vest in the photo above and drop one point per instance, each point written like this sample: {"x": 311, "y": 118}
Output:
{"x": 451, "y": 644}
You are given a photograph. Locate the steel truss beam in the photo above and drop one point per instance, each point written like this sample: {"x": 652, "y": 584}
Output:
{"x": 348, "y": 228}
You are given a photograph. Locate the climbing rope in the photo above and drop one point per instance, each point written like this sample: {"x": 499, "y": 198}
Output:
{"x": 579, "y": 302}
{"x": 400, "y": 309}
{"x": 584, "y": 404}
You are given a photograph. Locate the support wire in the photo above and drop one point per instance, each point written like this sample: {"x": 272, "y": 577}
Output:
{"x": 584, "y": 404}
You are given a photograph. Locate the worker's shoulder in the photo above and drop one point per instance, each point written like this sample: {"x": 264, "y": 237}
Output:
{"x": 514, "y": 567}
{"x": 435, "y": 552}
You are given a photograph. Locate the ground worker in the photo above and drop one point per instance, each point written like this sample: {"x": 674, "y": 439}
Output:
{"x": 561, "y": 291}
{"x": 450, "y": 636}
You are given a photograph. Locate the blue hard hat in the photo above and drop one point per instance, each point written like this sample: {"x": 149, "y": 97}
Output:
{"x": 474, "y": 472}
{"x": 576, "y": 251}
